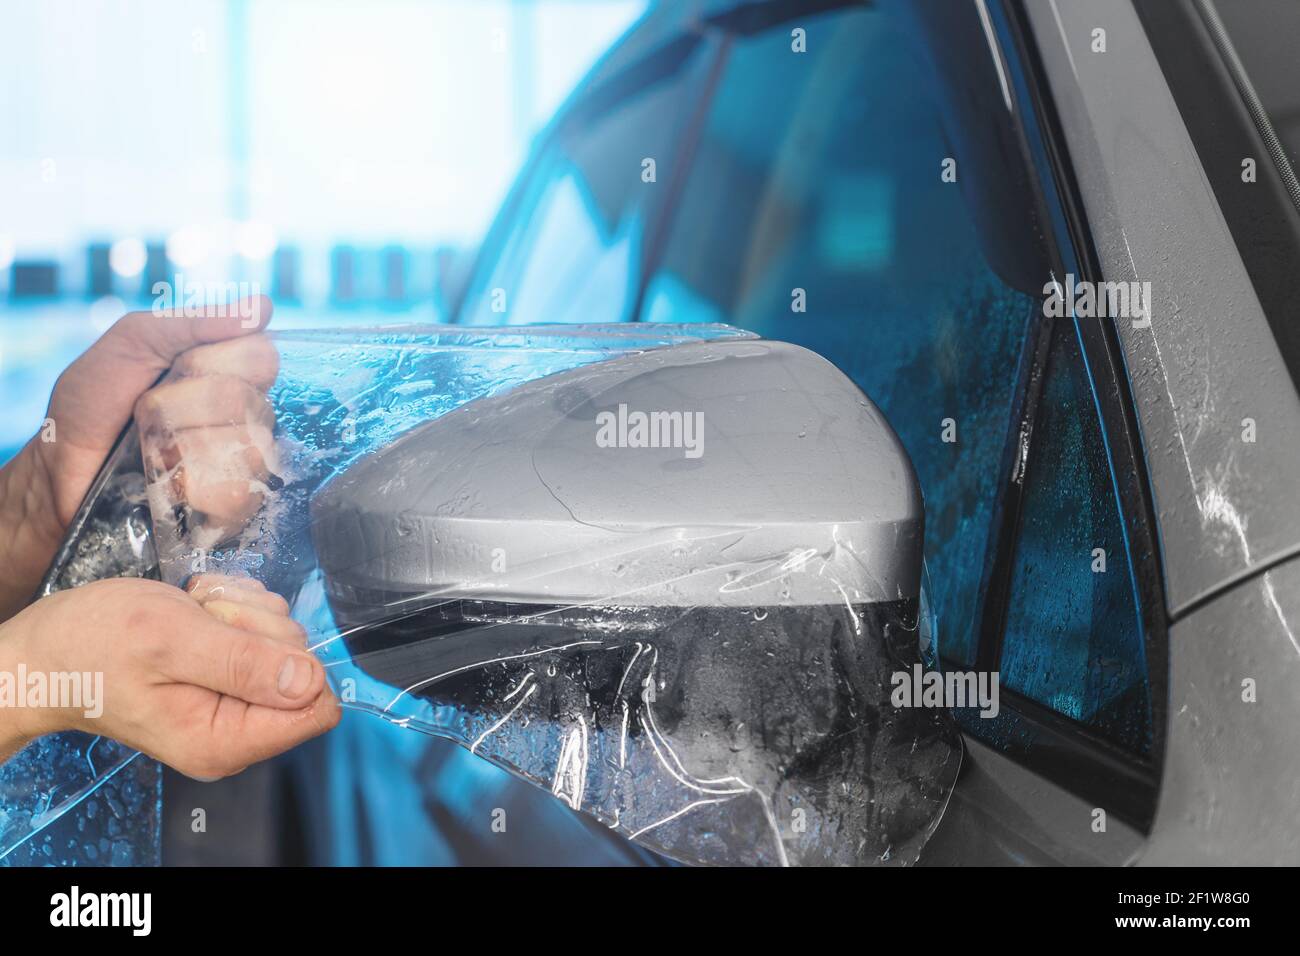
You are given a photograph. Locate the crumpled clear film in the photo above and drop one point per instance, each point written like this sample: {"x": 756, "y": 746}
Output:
{"x": 73, "y": 798}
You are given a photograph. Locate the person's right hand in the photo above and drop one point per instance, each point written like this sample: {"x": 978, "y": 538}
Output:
{"x": 208, "y": 682}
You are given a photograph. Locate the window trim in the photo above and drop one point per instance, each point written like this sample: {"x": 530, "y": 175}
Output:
{"x": 656, "y": 241}
{"x": 1059, "y": 748}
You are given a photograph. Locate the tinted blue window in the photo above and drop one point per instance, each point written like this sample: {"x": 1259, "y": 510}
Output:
{"x": 809, "y": 206}
{"x": 1073, "y": 636}
{"x": 574, "y": 249}
{"x": 834, "y": 187}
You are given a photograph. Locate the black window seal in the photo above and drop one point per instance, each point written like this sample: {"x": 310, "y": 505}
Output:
{"x": 656, "y": 243}
{"x": 1222, "y": 39}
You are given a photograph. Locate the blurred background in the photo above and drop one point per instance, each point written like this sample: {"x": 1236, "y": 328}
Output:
{"x": 345, "y": 157}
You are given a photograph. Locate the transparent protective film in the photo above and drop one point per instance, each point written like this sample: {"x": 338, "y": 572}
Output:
{"x": 711, "y": 735}
{"x": 76, "y": 799}
{"x": 690, "y": 633}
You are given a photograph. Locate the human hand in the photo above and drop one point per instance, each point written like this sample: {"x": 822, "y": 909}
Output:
{"x": 206, "y": 435}
{"x": 208, "y": 681}
{"x": 42, "y": 487}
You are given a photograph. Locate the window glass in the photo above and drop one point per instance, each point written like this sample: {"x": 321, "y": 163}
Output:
{"x": 574, "y": 251}
{"x": 1073, "y": 636}
{"x": 824, "y": 219}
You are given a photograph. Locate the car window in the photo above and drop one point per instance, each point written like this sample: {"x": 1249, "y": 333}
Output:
{"x": 1073, "y": 640}
{"x": 573, "y": 252}
{"x": 835, "y": 217}
{"x": 825, "y": 219}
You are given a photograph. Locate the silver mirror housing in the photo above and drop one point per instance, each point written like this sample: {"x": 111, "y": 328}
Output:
{"x": 702, "y": 474}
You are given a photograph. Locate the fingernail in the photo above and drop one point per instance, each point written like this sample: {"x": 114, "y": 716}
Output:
{"x": 225, "y": 612}
{"x": 294, "y": 678}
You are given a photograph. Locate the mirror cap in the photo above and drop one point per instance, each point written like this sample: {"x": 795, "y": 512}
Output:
{"x": 728, "y": 473}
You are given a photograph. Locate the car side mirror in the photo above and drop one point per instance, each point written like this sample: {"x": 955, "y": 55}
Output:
{"x": 672, "y": 588}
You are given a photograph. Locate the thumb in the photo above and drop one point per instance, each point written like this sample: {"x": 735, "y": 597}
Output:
{"x": 147, "y": 342}
{"x": 152, "y": 340}
{"x": 252, "y": 667}
{"x": 94, "y": 397}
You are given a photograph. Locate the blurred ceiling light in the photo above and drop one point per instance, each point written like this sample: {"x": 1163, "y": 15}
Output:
{"x": 255, "y": 240}
{"x": 188, "y": 246}
{"x": 127, "y": 257}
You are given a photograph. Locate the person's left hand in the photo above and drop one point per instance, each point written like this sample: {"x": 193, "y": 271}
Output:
{"x": 41, "y": 489}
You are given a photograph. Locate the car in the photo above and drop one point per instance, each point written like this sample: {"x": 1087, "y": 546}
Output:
{"x": 912, "y": 190}
{"x": 1043, "y": 251}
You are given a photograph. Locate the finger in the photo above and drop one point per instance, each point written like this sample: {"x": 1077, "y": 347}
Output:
{"x": 182, "y": 403}
{"x": 242, "y": 734}
{"x": 268, "y": 731}
{"x": 257, "y": 620}
{"x": 248, "y": 666}
{"x": 222, "y": 507}
{"x": 219, "y": 452}
{"x": 167, "y": 333}
{"x": 201, "y": 583}
{"x": 95, "y": 395}
{"x": 234, "y": 734}
{"x": 210, "y": 586}
{"x": 216, "y": 451}
{"x": 222, "y": 473}
{"x": 253, "y": 358}
{"x": 224, "y": 451}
